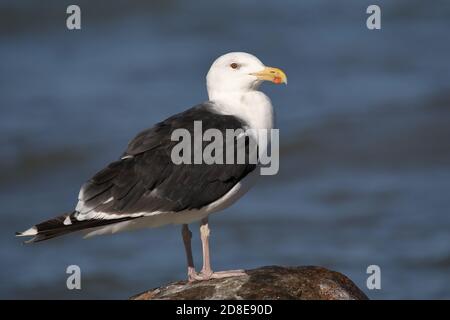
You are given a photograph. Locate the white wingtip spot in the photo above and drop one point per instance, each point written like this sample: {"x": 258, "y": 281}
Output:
{"x": 30, "y": 232}
{"x": 67, "y": 221}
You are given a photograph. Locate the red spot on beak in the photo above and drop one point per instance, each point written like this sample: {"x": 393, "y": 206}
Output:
{"x": 277, "y": 80}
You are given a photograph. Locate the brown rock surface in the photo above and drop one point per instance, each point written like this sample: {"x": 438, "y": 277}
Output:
{"x": 274, "y": 282}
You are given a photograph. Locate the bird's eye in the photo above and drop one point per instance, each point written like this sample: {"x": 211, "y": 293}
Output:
{"x": 234, "y": 65}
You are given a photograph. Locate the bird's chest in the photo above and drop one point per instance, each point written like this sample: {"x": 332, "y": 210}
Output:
{"x": 256, "y": 110}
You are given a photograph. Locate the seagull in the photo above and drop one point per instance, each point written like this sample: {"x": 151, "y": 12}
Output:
{"x": 146, "y": 189}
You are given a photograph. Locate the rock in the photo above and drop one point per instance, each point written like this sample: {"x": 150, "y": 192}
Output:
{"x": 274, "y": 282}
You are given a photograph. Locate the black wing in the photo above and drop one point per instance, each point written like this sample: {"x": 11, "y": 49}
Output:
{"x": 146, "y": 180}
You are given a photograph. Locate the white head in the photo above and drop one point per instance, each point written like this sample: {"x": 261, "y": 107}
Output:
{"x": 240, "y": 72}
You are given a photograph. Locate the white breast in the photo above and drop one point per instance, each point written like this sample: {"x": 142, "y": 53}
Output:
{"x": 254, "y": 107}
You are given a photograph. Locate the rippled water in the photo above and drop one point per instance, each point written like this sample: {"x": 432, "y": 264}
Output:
{"x": 364, "y": 122}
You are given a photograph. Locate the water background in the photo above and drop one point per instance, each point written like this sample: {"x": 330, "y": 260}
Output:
{"x": 364, "y": 123}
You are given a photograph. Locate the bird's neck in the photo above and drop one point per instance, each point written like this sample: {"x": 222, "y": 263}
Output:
{"x": 252, "y": 106}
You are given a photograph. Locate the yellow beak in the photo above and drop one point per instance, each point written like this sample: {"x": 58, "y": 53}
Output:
{"x": 271, "y": 74}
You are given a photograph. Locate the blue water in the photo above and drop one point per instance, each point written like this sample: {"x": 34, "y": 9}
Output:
{"x": 364, "y": 123}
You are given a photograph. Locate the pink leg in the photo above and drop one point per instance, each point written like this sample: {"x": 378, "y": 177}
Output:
{"x": 207, "y": 272}
{"x": 187, "y": 236}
